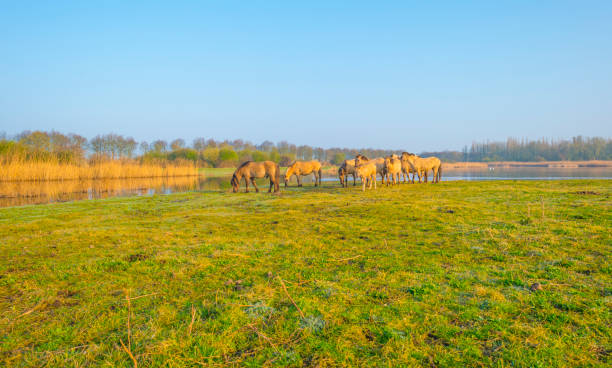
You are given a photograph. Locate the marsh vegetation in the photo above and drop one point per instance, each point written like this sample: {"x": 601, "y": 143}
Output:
{"x": 438, "y": 275}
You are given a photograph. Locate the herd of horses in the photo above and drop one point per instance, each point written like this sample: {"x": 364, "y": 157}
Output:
{"x": 389, "y": 168}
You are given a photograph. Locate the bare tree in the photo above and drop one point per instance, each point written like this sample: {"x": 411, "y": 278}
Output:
{"x": 160, "y": 146}
{"x": 199, "y": 144}
{"x": 177, "y": 144}
{"x": 144, "y": 147}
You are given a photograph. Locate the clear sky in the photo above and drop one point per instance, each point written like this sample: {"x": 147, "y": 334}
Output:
{"x": 416, "y": 75}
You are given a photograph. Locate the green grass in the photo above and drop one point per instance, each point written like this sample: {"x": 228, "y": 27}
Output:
{"x": 414, "y": 275}
{"x": 217, "y": 172}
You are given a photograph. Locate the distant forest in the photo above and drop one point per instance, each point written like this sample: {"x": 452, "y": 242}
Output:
{"x": 576, "y": 149}
{"x": 72, "y": 148}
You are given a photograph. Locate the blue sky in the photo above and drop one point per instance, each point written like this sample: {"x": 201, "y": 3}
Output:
{"x": 426, "y": 75}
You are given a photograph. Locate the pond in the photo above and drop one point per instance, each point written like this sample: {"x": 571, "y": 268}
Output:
{"x": 24, "y": 193}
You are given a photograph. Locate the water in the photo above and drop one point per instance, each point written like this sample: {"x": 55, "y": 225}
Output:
{"x": 24, "y": 193}
{"x": 528, "y": 173}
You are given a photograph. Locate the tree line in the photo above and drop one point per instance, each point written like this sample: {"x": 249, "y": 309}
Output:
{"x": 575, "y": 149}
{"x": 73, "y": 148}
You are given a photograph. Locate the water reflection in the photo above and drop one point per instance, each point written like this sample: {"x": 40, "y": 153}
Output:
{"x": 528, "y": 173}
{"x": 22, "y": 193}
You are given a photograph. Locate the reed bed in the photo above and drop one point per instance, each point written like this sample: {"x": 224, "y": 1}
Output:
{"x": 43, "y": 171}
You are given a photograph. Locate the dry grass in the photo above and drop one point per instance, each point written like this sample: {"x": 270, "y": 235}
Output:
{"x": 40, "y": 171}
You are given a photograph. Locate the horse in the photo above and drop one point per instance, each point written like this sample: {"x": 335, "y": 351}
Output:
{"x": 421, "y": 166}
{"x": 347, "y": 168}
{"x": 406, "y": 168}
{"x": 301, "y": 168}
{"x": 379, "y": 162}
{"x": 251, "y": 170}
{"x": 393, "y": 168}
{"x": 367, "y": 172}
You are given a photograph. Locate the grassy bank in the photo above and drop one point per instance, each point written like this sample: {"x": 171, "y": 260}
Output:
{"x": 434, "y": 275}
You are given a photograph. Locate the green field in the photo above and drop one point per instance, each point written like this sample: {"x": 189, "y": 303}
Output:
{"x": 415, "y": 275}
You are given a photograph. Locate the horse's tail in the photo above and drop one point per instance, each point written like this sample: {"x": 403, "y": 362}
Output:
{"x": 277, "y": 177}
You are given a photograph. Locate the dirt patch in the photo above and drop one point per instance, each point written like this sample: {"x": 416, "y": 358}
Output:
{"x": 432, "y": 338}
{"x": 137, "y": 257}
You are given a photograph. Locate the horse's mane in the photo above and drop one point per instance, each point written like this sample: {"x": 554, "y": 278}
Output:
{"x": 363, "y": 157}
{"x": 243, "y": 164}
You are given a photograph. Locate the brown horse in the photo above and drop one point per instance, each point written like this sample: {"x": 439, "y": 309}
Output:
{"x": 406, "y": 168}
{"x": 347, "y": 168}
{"x": 367, "y": 172}
{"x": 251, "y": 170}
{"x": 393, "y": 168}
{"x": 421, "y": 166}
{"x": 301, "y": 168}
{"x": 379, "y": 162}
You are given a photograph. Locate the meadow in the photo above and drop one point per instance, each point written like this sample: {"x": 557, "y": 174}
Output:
{"x": 504, "y": 273}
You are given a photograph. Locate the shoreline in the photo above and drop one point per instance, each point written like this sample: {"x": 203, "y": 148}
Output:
{"x": 537, "y": 164}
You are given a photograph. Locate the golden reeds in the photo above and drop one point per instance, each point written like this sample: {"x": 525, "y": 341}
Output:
{"x": 114, "y": 169}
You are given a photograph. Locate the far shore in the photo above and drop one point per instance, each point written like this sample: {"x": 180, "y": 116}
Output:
{"x": 541, "y": 164}
{"x": 329, "y": 169}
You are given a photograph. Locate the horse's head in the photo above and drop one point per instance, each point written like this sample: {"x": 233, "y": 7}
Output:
{"x": 235, "y": 183}
{"x": 408, "y": 156}
{"x": 288, "y": 175}
{"x": 359, "y": 159}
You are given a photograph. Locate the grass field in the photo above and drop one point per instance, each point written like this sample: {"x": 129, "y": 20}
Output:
{"x": 415, "y": 275}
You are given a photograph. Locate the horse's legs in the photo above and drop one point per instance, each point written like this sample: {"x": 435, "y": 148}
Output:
{"x": 354, "y": 180}
{"x": 363, "y": 183}
{"x": 298, "y": 180}
{"x": 246, "y": 183}
{"x": 374, "y": 182}
{"x": 254, "y": 184}
{"x": 315, "y": 177}
{"x": 271, "y": 184}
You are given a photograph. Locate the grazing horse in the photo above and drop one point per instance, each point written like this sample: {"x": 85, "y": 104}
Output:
{"x": 347, "y": 168}
{"x": 422, "y": 166}
{"x": 367, "y": 172}
{"x": 379, "y": 162}
{"x": 393, "y": 168}
{"x": 251, "y": 170}
{"x": 301, "y": 168}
